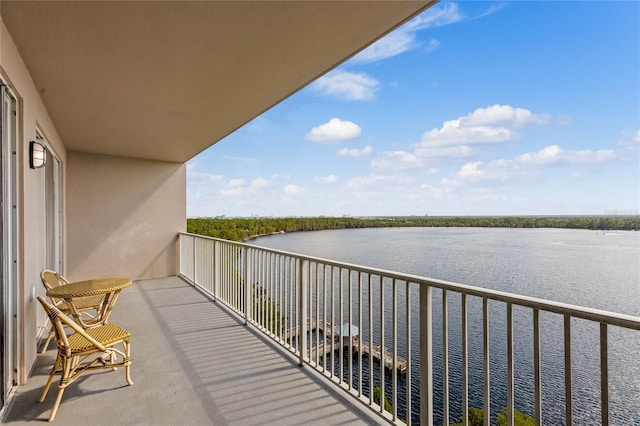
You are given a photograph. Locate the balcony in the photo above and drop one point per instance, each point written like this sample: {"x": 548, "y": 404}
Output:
{"x": 225, "y": 344}
{"x": 194, "y": 362}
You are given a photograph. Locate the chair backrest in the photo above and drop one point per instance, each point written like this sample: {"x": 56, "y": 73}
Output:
{"x": 59, "y": 320}
{"x": 52, "y": 279}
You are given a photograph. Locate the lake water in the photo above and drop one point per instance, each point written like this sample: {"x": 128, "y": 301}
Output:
{"x": 587, "y": 268}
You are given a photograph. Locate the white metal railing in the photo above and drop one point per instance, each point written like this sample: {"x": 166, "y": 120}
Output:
{"x": 404, "y": 322}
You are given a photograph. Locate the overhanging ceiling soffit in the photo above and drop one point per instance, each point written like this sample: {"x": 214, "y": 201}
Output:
{"x": 166, "y": 80}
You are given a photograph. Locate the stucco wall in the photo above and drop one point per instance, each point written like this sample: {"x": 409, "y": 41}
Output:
{"x": 123, "y": 216}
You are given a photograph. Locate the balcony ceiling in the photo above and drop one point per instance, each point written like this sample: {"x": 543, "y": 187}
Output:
{"x": 166, "y": 80}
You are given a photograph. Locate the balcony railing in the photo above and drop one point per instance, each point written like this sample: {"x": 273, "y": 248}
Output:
{"x": 428, "y": 347}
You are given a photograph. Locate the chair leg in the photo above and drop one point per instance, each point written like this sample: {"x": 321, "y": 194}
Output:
{"x": 112, "y": 360}
{"x": 64, "y": 382}
{"x": 127, "y": 361}
{"x": 54, "y": 410}
{"x": 43, "y": 395}
{"x": 49, "y": 337}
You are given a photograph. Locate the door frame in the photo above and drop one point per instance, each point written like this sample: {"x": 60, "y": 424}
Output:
{"x": 8, "y": 243}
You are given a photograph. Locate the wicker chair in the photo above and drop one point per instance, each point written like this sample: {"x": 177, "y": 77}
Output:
{"x": 85, "y": 305}
{"x": 83, "y": 351}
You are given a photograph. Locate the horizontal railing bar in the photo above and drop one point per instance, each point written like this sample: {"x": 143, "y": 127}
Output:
{"x": 590, "y": 314}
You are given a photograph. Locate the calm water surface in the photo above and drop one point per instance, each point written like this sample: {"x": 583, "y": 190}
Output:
{"x": 587, "y": 268}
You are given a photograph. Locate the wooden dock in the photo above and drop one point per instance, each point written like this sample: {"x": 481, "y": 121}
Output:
{"x": 325, "y": 347}
{"x": 326, "y": 328}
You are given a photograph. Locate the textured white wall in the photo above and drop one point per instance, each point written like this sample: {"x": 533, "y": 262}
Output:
{"x": 123, "y": 216}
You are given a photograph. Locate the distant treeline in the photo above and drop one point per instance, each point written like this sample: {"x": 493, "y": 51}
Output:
{"x": 239, "y": 229}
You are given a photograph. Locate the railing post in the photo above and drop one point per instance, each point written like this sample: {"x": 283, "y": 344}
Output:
{"x": 180, "y": 254}
{"x": 445, "y": 358}
{"x": 193, "y": 254}
{"x": 604, "y": 374}
{"x": 487, "y": 364}
{"x": 465, "y": 362}
{"x": 426, "y": 356}
{"x": 212, "y": 275}
{"x": 510, "y": 366}
{"x": 537, "y": 369}
{"x": 568, "y": 390}
{"x": 394, "y": 349}
{"x": 216, "y": 268}
{"x": 302, "y": 311}
{"x": 408, "y": 379}
{"x": 247, "y": 283}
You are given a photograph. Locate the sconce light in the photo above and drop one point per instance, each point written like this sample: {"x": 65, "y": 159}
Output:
{"x": 37, "y": 155}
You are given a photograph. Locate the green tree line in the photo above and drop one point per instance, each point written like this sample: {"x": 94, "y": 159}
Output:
{"x": 240, "y": 229}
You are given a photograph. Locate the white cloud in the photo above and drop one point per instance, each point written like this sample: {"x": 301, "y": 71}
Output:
{"x": 327, "y": 179}
{"x": 404, "y": 38}
{"x": 347, "y": 85}
{"x": 436, "y": 16}
{"x": 493, "y": 124}
{"x": 477, "y": 171}
{"x": 396, "y": 160}
{"x": 397, "y": 42}
{"x": 555, "y": 154}
{"x": 259, "y": 183}
{"x": 506, "y": 169}
{"x": 433, "y": 192}
{"x": 335, "y": 130}
{"x": 203, "y": 177}
{"x": 445, "y": 151}
{"x": 404, "y": 160}
{"x": 277, "y": 176}
{"x": 632, "y": 141}
{"x": 588, "y": 156}
{"x": 196, "y": 177}
{"x": 235, "y": 183}
{"x": 549, "y": 154}
{"x": 471, "y": 171}
{"x": 452, "y": 134}
{"x": 345, "y": 152}
{"x": 376, "y": 181}
{"x": 503, "y": 114}
{"x": 232, "y": 192}
{"x": 292, "y": 189}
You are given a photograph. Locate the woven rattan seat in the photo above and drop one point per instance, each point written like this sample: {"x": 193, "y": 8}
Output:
{"x": 83, "y": 351}
{"x": 108, "y": 334}
{"x": 86, "y": 305}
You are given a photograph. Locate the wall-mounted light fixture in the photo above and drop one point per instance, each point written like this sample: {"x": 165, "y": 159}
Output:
{"x": 37, "y": 155}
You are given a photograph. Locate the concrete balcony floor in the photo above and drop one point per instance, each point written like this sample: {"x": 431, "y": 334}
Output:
{"x": 193, "y": 363}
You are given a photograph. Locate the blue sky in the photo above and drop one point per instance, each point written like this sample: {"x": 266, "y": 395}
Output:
{"x": 472, "y": 108}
